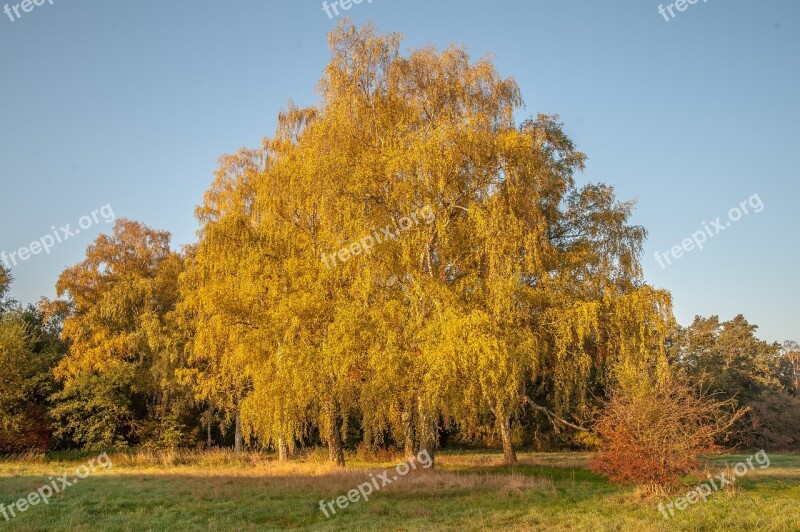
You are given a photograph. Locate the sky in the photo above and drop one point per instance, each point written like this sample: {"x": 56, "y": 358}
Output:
{"x": 124, "y": 107}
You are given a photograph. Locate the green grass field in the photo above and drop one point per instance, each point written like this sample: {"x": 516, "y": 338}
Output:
{"x": 468, "y": 491}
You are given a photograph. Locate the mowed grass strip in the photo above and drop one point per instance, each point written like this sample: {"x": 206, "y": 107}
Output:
{"x": 468, "y": 491}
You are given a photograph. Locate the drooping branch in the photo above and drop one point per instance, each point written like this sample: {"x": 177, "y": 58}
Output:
{"x": 552, "y": 416}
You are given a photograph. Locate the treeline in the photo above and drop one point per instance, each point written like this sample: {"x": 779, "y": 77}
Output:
{"x": 507, "y": 317}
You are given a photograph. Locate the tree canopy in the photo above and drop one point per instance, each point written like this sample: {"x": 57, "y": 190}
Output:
{"x": 521, "y": 280}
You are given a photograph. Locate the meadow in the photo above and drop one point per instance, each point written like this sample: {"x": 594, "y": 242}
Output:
{"x": 468, "y": 490}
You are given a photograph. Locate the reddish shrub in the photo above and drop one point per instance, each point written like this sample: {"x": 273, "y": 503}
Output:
{"x": 656, "y": 435}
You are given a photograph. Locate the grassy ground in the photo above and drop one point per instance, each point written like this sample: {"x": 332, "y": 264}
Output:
{"x": 468, "y": 491}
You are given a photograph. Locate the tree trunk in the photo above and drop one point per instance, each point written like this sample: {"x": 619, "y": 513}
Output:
{"x": 335, "y": 447}
{"x": 427, "y": 443}
{"x": 208, "y": 434}
{"x": 283, "y": 449}
{"x": 509, "y": 455}
{"x": 292, "y": 447}
{"x": 237, "y": 436}
{"x": 408, "y": 433}
{"x": 428, "y": 437}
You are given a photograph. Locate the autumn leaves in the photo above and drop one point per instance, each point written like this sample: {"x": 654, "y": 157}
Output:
{"x": 386, "y": 233}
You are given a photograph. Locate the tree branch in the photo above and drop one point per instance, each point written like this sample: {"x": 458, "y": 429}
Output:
{"x": 552, "y": 416}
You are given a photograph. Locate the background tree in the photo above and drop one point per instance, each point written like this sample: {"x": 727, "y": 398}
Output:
{"x": 29, "y": 349}
{"x": 15, "y": 373}
{"x": 118, "y": 385}
{"x": 790, "y": 366}
{"x": 728, "y": 358}
{"x": 5, "y": 284}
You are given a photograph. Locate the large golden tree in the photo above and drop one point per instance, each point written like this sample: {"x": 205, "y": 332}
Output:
{"x": 404, "y": 254}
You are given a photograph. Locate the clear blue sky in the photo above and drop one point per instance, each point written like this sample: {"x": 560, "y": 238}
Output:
{"x": 131, "y": 103}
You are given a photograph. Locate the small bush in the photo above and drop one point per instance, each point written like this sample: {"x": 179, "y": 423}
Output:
{"x": 656, "y": 435}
